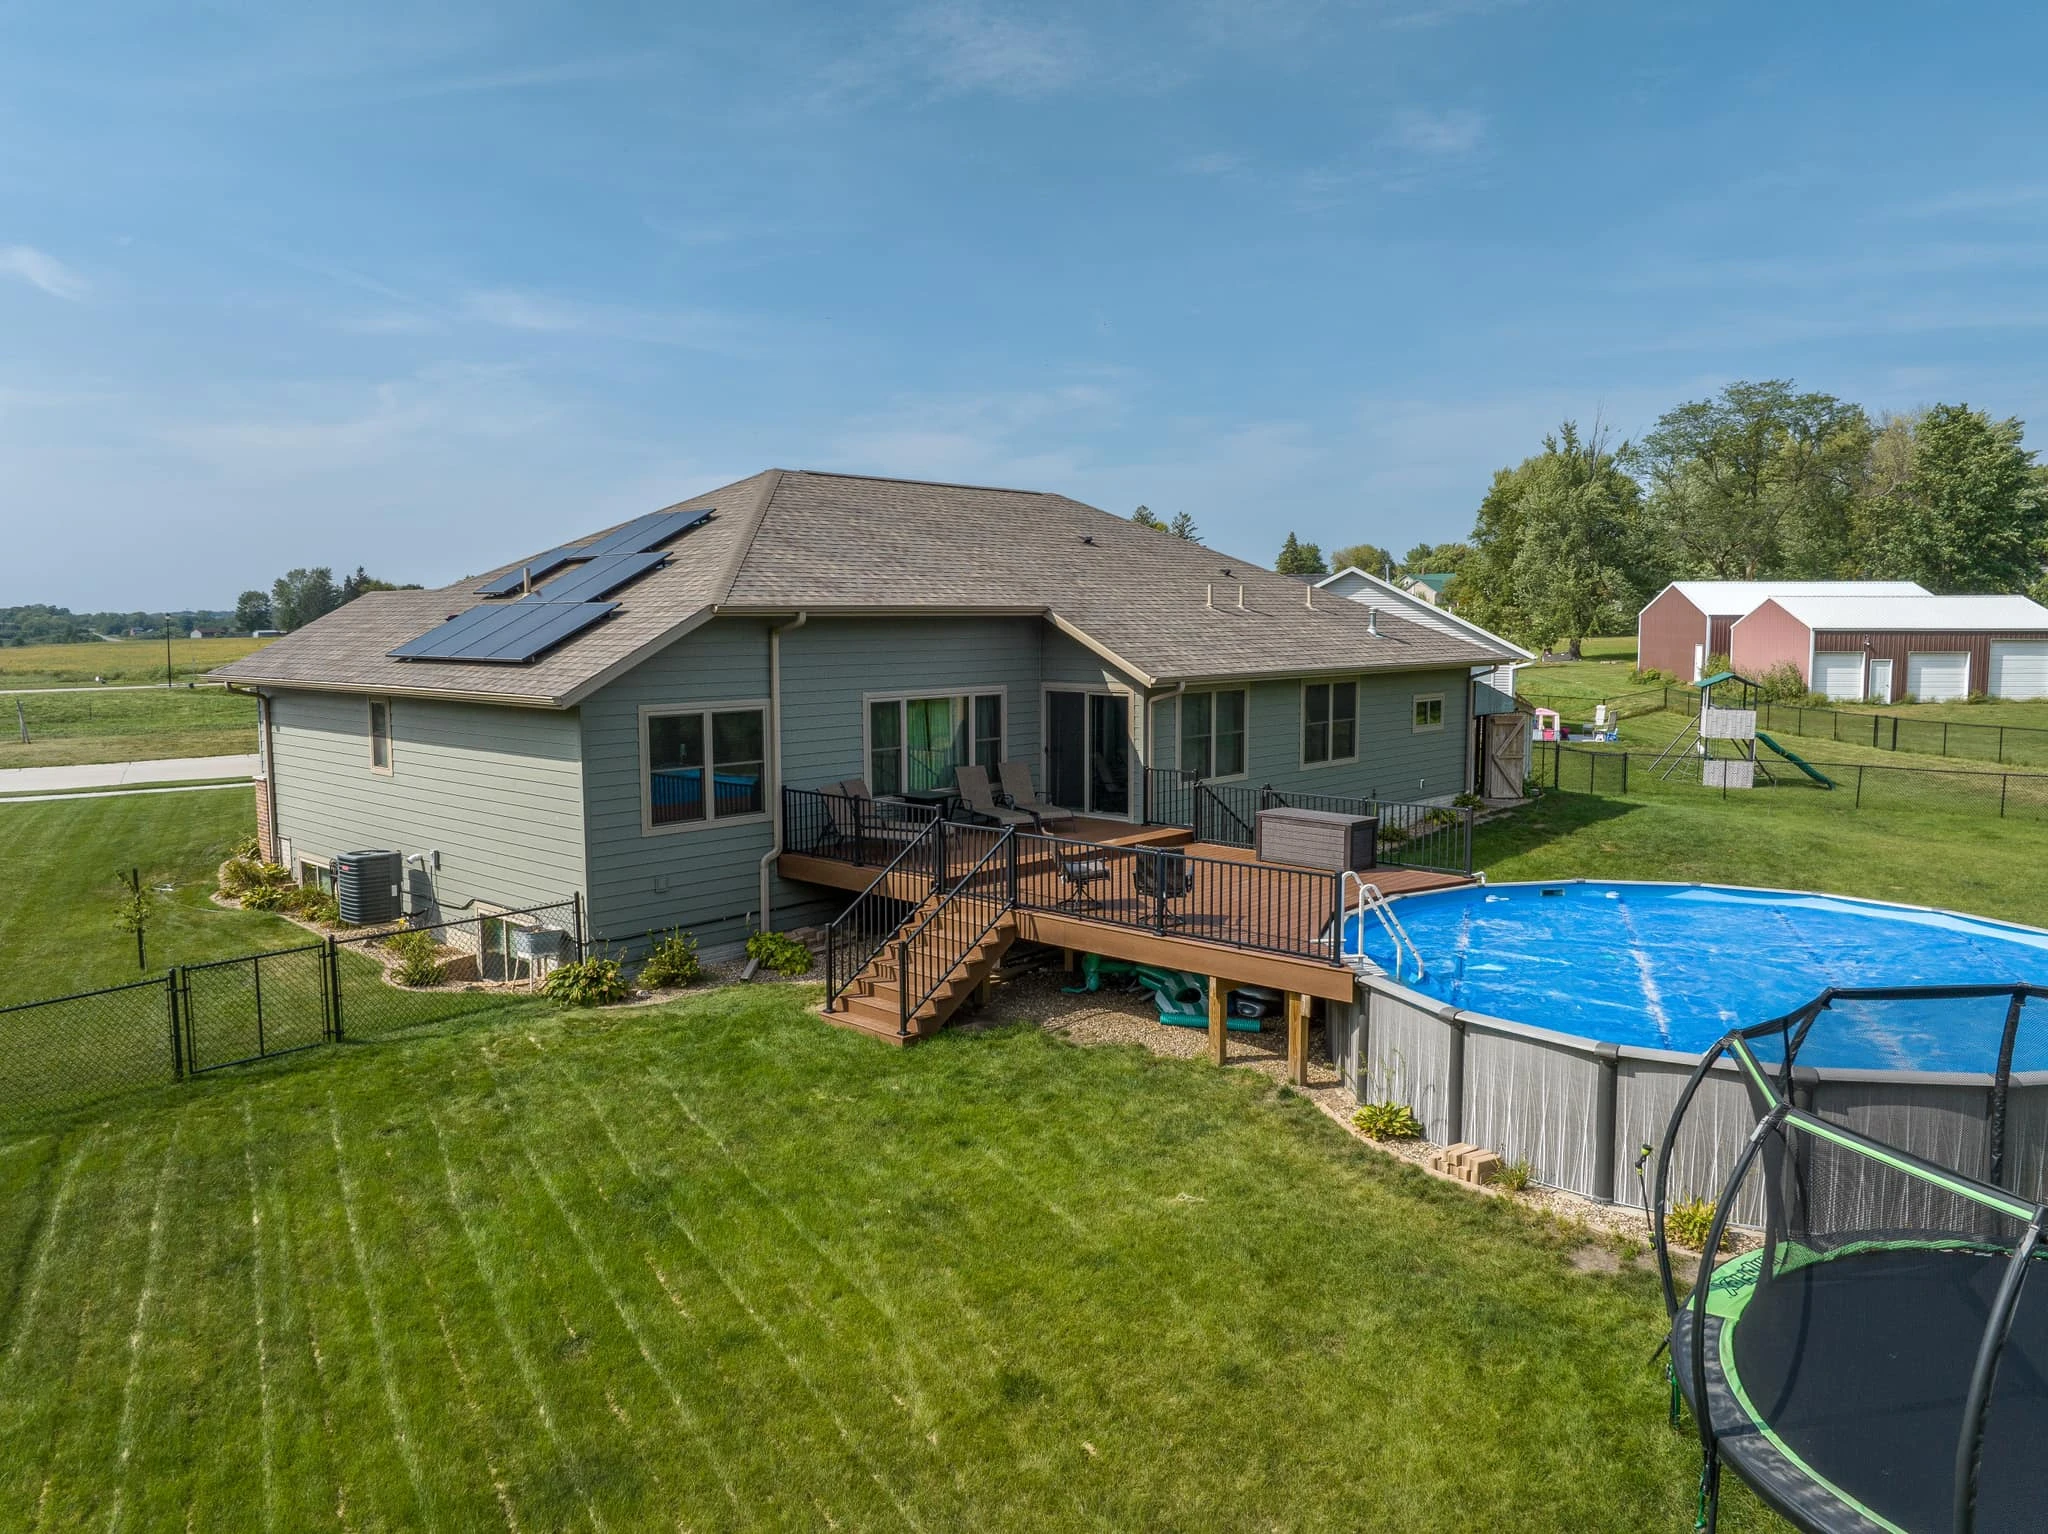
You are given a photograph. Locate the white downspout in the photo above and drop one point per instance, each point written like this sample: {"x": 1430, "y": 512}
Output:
{"x": 775, "y": 758}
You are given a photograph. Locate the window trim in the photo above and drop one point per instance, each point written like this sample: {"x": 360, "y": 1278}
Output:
{"x": 1357, "y": 745}
{"x": 903, "y": 695}
{"x": 1180, "y": 703}
{"x": 390, "y": 734}
{"x": 1416, "y": 702}
{"x": 651, "y": 711}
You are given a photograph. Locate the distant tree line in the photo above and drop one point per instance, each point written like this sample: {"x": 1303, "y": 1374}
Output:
{"x": 39, "y": 623}
{"x": 299, "y": 596}
{"x": 1760, "y": 482}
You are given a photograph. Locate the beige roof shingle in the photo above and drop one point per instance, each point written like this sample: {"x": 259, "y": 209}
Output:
{"x": 781, "y": 541}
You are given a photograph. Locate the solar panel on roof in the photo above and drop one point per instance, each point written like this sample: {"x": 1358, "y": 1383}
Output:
{"x": 599, "y": 577}
{"x": 538, "y": 566}
{"x": 644, "y": 533}
{"x": 508, "y": 633}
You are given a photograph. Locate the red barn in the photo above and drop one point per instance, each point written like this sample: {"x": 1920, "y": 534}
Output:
{"x": 1884, "y": 648}
{"x": 1689, "y": 620}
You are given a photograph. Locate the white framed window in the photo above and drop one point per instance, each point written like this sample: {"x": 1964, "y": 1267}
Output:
{"x": 380, "y": 736}
{"x": 913, "y": 741}
{"x": 702, "y": 764}
{"x": 318, "y": 873}
{"x": 1213, "y": 735}
{"x": 1329, "y": 723}
{"x": 1429, "y": 711}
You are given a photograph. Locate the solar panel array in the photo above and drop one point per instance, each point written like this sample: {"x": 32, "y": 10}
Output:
{"x": 505, "y": 633}
{"x": 511, "y": 633}
{"x": 599, "y": 577}
{"x": 636, "y": 537}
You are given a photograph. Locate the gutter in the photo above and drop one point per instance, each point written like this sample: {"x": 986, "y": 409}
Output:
{"x": 775, "y": 756}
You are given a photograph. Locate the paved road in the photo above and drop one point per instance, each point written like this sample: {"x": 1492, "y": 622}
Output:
{"x": 182, "y": 769}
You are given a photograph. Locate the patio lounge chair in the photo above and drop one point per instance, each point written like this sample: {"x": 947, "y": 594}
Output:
{"x": 1164, "y": 876}
{"x": 858, "y": 818}
{"x": 979, "y": 797}
{"x": 1016, "y": 779}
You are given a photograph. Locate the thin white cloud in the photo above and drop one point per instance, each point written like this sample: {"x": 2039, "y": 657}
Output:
{"x": 41, "y": 270}
{"x": 534, "y": 313}
{"x": 438, "y": 403}
{"x": 1219, "y": 162}
{"x": 965, "y": 47}
{"x": 1420, "y": 131}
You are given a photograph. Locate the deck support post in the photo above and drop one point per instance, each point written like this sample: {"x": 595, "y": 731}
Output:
{"x": 1297, "y": 1038}
{"x": 1219, "y": 1022}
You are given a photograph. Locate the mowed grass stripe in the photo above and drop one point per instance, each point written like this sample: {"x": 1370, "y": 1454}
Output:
{"x": 599, "y": 1316}
{"x": 70, "y": 1367}
{"x": 1026, "y": 1285}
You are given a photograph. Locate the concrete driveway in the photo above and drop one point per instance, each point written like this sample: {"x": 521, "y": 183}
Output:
{"x": 181, "y": 769}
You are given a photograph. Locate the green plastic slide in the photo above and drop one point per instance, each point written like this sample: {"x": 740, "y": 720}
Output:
{"x": 1182, "y": 998}
{"x": 1806, "y": 767}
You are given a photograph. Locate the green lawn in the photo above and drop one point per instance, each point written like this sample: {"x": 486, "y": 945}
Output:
{"x": 1911, "y": 843}
{"x": 58, "y": 863}
{"x": 70, "y": 727}
{"x": 720, "y": 1266}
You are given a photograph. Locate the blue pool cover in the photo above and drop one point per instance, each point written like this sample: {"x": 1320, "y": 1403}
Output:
{"x": 1675, "y": 966}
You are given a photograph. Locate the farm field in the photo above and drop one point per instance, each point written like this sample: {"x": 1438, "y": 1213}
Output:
{"x": 716, "y": 1265}
{"x": 116, "y": 661}
{"x": 65, "y": 728}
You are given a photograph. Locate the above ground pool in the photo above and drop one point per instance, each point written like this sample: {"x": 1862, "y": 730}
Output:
{"x": 1675, "y": 966}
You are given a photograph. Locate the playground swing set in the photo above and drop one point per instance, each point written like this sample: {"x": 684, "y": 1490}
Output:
{"x": 1737, "y": 766}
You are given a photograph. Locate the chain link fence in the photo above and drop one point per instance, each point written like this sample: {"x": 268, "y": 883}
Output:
{"x": 68, "y": 1052}
{"x": 1865, "y": 786}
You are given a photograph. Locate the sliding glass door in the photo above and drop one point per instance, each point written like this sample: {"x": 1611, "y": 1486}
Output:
{"x": 1088, "y": 751}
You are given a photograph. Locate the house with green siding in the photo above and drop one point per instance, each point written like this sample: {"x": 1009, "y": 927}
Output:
{"x": 633, "y": 732}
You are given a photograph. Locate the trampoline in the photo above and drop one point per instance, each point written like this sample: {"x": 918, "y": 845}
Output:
{"x": 1876, "y": 1359}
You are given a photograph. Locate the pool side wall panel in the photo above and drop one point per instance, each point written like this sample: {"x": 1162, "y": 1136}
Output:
{"x": 1534, "y": 1100}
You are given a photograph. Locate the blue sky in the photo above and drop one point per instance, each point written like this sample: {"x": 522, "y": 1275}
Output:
{"x": 423, "y": 289}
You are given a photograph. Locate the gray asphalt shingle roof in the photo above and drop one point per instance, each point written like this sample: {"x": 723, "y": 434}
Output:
{"x": 1163, "y": 608}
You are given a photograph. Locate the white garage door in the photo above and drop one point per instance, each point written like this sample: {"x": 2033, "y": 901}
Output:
{"x": 1938, "y": 675}
{"x": 2020, "y": 669}
{"x": 1839, "y": 674}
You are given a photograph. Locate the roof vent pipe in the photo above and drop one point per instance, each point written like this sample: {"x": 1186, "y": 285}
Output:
{"x": 1372, "y": 620}
{"x": 1210, "y": 599}
{"x": 1240, "y": 598}
{"x": 1309, "y": 595}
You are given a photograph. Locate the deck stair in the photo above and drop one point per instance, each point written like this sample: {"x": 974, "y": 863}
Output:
{"x": 899, "y": 972}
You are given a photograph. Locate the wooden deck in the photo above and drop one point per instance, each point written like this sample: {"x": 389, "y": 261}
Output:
{"x": 1241, "y": 921}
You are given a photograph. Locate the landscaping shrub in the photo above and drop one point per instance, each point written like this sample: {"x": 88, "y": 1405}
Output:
{"x": 1387, "y": 1121}
{"x": 672, "y": 961}
{"x": 1648, "y": 676}
{"x": 780, "y": 952}
{"x": 1689, "y": 1221}
{"x": 313, "y": 903}
{"x": 239, "y": 875}
{"x": 1978, "y": 697}
{"x": 593, "y": 982}
{"x": 1515, "y": 1175}
{"x": 265, "y": 897}
{"x": 246, "y": 848}
{"x": 1782, "y": 683}
{"x": 1469, "y": 801}
{"x": 419, "y": 961}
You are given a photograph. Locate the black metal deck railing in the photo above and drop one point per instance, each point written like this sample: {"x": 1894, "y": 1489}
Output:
{"x": 1432, "y": 837}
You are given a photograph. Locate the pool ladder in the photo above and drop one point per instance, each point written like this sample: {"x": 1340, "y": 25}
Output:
{"x": 1371, "y": 899}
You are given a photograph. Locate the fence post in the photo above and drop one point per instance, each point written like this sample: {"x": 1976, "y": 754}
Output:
{"x": 576, "y": 915}
{"x": 177, "y": 1033}
{"x": 2003, "y": 779}
{"x": 1859, "y": 786}
{"x": 334, "y": 984}
{"x": 1624, "y": 779}
{"x": 2001, "y": 745}
{"x": 1944, "y": 737}
{"x": 1895, "y": 732}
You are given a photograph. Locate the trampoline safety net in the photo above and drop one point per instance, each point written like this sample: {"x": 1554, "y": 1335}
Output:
{"x": 1872, "y": 1355}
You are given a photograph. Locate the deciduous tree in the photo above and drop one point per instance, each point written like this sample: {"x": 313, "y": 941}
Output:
{"x": 1969, "y": 514}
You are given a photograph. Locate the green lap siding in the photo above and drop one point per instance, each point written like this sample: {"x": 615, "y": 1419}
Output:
{"x": 497, "y": 792}
{"x": 1395, "y": 761}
